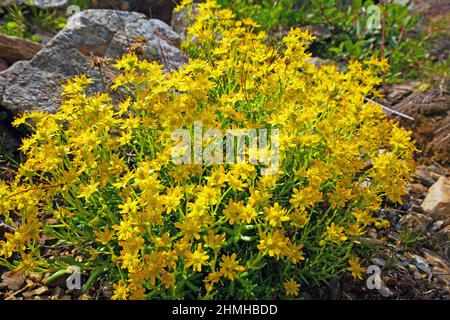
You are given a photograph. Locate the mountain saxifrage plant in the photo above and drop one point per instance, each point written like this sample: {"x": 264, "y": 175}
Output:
{"x": 100, "y": 190}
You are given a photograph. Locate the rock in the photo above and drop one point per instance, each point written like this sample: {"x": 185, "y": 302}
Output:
{"x": 320, "y": 30}
{"x": 159, "y": 9}
{"x": 319, "y": 62}
{"x": 42, "y": 4}
{"x": 421, "y": 264}
{"x": 13, "y": 280}
{"x": 13, "y": 49}
{"x": 35, "y": 84}
{"x": 379, "y": 262}
{"x": 417, "y": 189}
{"x": 436, "y": 226}
{"x": 182, "y": 19}
{"x": 435, "y": 260}
{"x": 415, "y": 222}
{"x": 85, "y": 297}
{"x": 27, "y": 294}
{"x": 445, "y": 232}
{"x": 40, "y": 291}
{"x": 416, "y": 209}
{"x": 437, "y": 201}
{"x": 35, "y": 277}
{"x": 370, "y": 242}
{"x": 384, "y": 290}
{"x": 59, "y": 292}
{"x": 424, "y": 177}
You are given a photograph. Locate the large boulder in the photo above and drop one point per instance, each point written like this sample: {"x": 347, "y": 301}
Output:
{"x": 35, "y": 84}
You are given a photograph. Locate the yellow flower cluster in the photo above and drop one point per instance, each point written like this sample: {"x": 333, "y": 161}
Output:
{"x": 101, "y": 168}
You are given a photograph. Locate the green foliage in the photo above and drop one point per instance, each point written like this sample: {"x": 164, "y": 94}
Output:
{"x": 25, "y": 22}
{"x": 353, "y": 32}
{"x": 268, "y": 13}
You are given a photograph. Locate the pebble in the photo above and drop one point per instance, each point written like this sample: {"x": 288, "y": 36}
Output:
{"x": 421, "y": 264}
{"x": 40, "y": 291}
{"x": 35, "y": 277}
{"x": 379, "y": 262}
{"x": 424, "y": 177}
{"x": 437, "y": 226}
{"x": 58, "y": 292}
{"x": 385, "y": 291}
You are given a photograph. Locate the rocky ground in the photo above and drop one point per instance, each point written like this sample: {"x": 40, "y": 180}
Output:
{"x": 413, "y": 255}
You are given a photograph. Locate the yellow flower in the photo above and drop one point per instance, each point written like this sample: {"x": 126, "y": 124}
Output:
{"x": 233, "y": 210}
{"x": 229, "y": 267}
{"x": 292, "y": 287}
{"x": 183, "y": 4}
{"x": 88, "y": 190}
{"x": 196, "y": 259}
{"x": 273, "y": 243}
{"x": 276, "y": 215}
{"x": 356, "y": 268}
{"x": 336, "y": 233}
{"x": 121, "y": 291}
{"x": 131, "y": 206}
{"x": 294, "y": 252}
{"x": 104, "y": 236}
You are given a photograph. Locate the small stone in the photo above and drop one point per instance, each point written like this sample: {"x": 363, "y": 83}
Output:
{"x": 437, "y": 226}
{"x": 416, "y": 209}
{"x": 385, "y": 291}
{"x": 415, "y": 222}
{"x": 418, "y": 276}
{"x": 417, "y": 189}
{"x": 37, "y": 278}
{"x": 421, "y": 264}
{"x": 412, "y": 268}
{"x": 435, "y": 260}
{"x": 424, "y": 177}
{"x": 437, "y": 201}
{"x": 379, "y": 262}
{"x": 40, "y": 291}
{"x": 13, "y": 280}
{"x": 370, "y": 242}
{"x": 58, "y": 292}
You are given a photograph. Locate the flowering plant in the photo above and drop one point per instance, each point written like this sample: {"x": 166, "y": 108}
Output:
{"x": 99, "y": 185}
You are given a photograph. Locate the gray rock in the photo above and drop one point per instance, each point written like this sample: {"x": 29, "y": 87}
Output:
{"x": 379, "y": 262}
{"x": 421, "y": 264}
{"x": 435, "y": 227}
{"x": 384, "y": 291}
{"x": 35, "y": 84}
{"x": 183, "y": 18}
{"x": 415, "y": 222}
{"x": 423, "y": 176}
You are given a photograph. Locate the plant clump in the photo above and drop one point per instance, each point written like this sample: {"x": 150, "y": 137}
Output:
{"x": 100, "y": 185}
